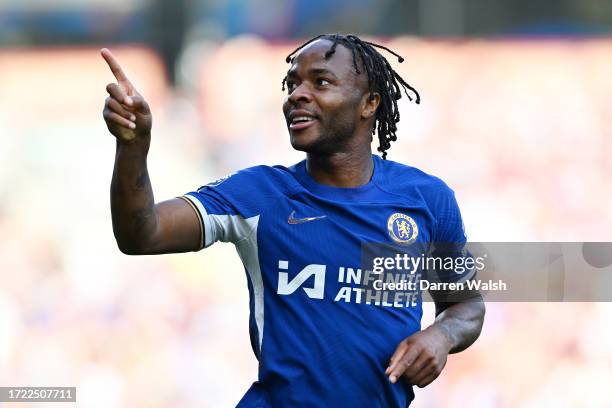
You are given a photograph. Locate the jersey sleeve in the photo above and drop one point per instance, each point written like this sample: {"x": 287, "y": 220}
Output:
{"x": 450, "y": 242}
{"x": 449, "y": 223}
{"x": 228, "y": 208}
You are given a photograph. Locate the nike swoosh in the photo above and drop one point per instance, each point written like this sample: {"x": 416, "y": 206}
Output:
{"x": 293, "y": 220}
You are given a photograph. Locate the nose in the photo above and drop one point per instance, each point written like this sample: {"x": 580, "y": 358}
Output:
{"x": 300, "y": 94}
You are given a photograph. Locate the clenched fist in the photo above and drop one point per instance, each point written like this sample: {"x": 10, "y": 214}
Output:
{"x": 126, "y": 113}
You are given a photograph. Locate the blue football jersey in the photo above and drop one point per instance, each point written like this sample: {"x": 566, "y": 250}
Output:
{"x": 319, "y": 341}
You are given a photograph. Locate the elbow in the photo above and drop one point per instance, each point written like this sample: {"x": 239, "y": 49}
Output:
{"x": 478, "y": 320}
{"x": 129, "y": 247}
{"x": 483, "y": 312}
{"x": 128, "y": 250}
{"x": 480, "y": 309}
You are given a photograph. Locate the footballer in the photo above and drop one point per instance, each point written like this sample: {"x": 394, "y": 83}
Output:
{"x": 298, "y": 230}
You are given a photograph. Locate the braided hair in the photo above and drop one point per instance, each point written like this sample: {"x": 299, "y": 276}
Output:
{"x": 382, "y": 78}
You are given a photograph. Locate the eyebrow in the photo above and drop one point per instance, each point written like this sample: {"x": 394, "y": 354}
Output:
{"x": 313, "y": 71}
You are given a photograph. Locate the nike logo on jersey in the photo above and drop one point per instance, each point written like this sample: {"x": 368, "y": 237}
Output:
{"x": 293, "y": 220}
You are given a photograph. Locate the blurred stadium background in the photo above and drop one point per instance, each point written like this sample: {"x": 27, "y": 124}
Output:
{"x": 515, "y": 116}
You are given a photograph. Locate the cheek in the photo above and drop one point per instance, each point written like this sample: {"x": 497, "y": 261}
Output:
{"x": 334, "y": 105}
{"x": 342, "y": 110}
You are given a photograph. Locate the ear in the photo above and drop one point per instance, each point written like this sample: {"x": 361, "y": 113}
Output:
{"x": 370, "y": 104}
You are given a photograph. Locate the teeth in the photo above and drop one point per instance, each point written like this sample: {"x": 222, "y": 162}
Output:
{"x": 301, "y": 119}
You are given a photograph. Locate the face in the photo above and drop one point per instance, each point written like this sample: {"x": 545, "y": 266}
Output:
{"x": 326, "y": 101}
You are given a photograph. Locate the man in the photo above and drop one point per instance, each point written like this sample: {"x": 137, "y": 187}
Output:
{"x": 299, "y": 230}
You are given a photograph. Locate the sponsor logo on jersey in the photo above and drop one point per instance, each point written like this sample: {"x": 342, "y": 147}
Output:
{"x": 287, "y": 287}
{"x": 355, "y": 286}
{"x": 402, "y": 229}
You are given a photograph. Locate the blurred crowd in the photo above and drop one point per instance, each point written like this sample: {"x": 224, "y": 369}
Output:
{"x": 519, "y": 129}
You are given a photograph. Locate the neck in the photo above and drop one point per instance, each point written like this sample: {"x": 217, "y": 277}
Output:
{"x": 342, "y": 169}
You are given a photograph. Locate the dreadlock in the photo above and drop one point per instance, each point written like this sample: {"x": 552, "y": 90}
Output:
{"x": 382, "y": 79}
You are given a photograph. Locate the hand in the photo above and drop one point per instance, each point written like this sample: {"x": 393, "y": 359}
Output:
{"x": 420, "y": 358}
{"x": 126, "y": 113}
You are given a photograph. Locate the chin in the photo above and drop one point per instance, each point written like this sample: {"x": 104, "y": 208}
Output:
{"x": 305, "y": 142}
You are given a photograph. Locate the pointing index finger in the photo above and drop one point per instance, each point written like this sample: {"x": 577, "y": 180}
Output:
{"x": 114, "y": 66}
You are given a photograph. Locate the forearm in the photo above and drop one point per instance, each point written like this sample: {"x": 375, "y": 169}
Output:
{"x": 461, "y": 323}
{"x": 132, "y": 201}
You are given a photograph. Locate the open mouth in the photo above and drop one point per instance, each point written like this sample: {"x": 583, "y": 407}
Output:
{"x": 301, "y": 122}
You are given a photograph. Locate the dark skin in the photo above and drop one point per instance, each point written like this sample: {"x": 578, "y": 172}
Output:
{"x": 335, "y": 114}
{"x": 337, "y": 144}
{"x": 141, "y": 227}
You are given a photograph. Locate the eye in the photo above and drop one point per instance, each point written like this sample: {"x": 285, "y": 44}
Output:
{"x": 322, "y": 82}
{"x": 290, "y": 86}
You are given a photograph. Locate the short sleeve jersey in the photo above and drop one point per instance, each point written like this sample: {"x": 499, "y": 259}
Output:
{"x": 318, "y": 341}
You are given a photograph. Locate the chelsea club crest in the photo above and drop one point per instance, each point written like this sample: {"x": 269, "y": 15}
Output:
{"x": 402, "y": 229}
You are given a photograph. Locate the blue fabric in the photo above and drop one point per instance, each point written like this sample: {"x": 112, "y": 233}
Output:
{"x": 329, "y": 351}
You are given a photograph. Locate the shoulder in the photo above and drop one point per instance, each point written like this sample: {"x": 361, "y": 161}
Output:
{"x": 403, "y": 179}
{"x": 438, "y": 197}
{"x": 254, "y": 180}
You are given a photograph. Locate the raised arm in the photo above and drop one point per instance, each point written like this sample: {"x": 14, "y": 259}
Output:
{"x": 141, "y": 227}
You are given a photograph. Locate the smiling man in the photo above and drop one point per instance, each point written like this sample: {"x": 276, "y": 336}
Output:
{"x": 320, "y": 339}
